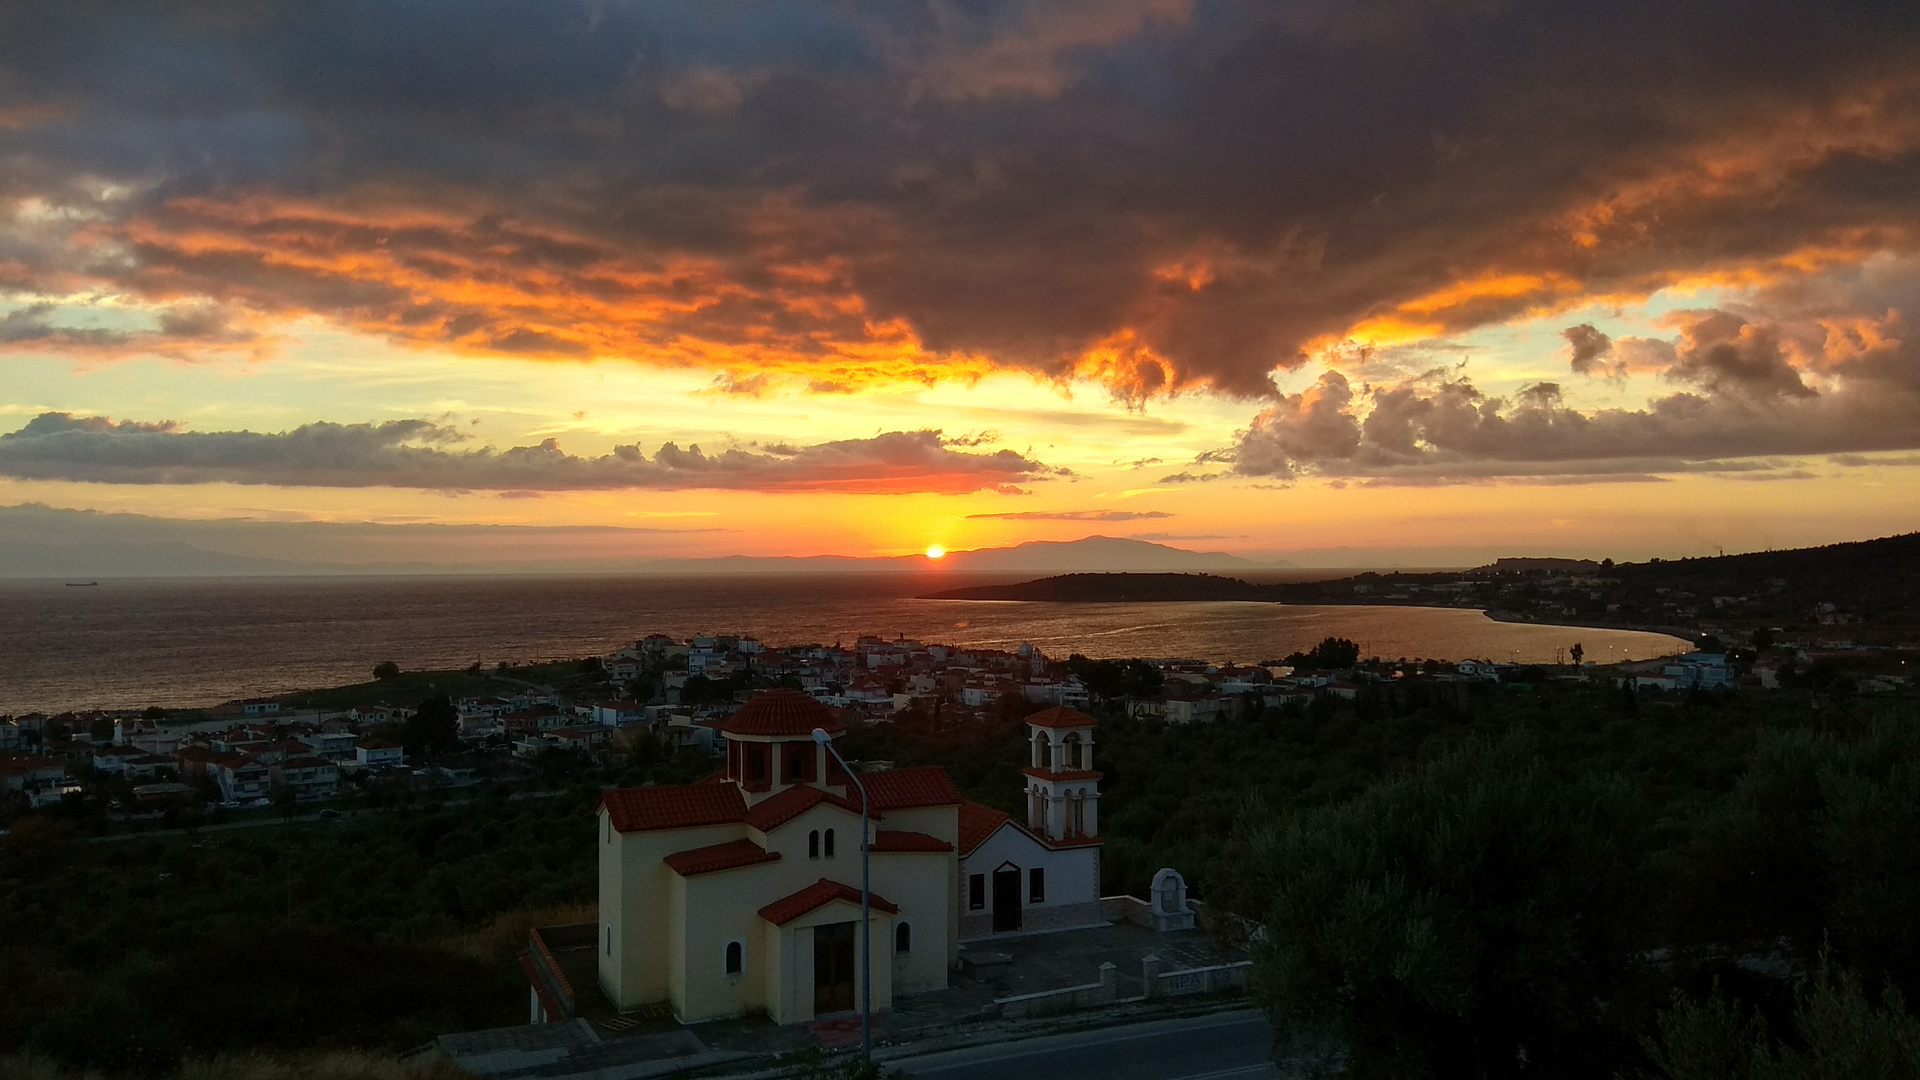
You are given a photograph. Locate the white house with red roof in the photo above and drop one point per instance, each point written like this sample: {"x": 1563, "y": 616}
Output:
{"x": 742, "y": 892}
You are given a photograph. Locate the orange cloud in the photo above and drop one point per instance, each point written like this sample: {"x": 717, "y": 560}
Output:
{"x": 423, "y": 454}
{"x": 473, "y": 279}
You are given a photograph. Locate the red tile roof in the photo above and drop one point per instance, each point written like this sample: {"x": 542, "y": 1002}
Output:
{"x": 817, "y": 895}
{"x": 682, "y": 807}
{"x": 1063, "y": 774}
{"x": 549, "y": 1007}
{"x": 976, "y": 824}
{"x": 728, "y": 856}
{"x": 897, "y": 789}
{"x": 1061, "y": 717}
{"x": 782, "y": 712}
{"x": 901, "y": 840}
{"x": 791, "y": 803}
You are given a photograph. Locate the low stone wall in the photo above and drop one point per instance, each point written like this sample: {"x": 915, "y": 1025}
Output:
{"x": 1066, "y": 999}
{"x": 1127, "y": 909}
{"x": 1201, "y": 980}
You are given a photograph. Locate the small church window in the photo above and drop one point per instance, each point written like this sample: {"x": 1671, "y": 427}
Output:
{"x": 903, "y": 938}
{"x": 756, "y": 764}
{"x": 797, "y": 765}
{"x": 977, "y": 892}
{"x": 736, "y": 957}
{"x": 829, "y": 843}
{"x": 1036, "y": 886}
{"x": 813, "y": 844}
{"x": 609, "y": 941}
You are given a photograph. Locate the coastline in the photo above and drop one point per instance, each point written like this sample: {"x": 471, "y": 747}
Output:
{"x": 288, "y": 639}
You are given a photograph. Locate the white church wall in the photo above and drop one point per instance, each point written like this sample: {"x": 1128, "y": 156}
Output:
{"x": 1072, "y": 879}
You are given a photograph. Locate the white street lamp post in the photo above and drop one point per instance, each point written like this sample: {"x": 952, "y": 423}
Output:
{"x": 866, "y": 918}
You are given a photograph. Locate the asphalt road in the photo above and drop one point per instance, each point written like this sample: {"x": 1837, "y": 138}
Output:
{"x": 1218, "y": 1046}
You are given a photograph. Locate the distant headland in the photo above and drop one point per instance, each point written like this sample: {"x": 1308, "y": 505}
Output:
{"x": 1870, "y": 588}
{"x": 1116, "y": 588}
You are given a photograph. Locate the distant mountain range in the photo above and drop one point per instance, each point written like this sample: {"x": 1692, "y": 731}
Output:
{"x": 42, "y": 542}
{"x": 1092, "y": 553}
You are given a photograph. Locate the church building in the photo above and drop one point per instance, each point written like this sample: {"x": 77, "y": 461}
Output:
{"x": 742, "y": 891}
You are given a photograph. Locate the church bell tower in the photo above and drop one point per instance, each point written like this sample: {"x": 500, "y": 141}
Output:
{"x": 1063, "y": 790}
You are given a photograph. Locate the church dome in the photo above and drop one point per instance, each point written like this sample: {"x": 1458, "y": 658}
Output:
{"x": 782, "y": 713}
{"x": 1060, "y": 716}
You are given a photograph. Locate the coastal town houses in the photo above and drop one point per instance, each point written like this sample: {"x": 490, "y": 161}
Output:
{"x": 37, "y": 781}
{"x": 308, "y": 778}
{"x": 241, "y": 778}
{"x": 378, "y": 754}
{"x": 740, "y": 893}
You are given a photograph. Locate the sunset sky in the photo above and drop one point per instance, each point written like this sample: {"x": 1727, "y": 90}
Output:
{"x": 1308, "y": 276}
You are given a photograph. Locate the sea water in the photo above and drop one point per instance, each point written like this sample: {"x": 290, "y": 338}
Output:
{"x": 133, "y": 643}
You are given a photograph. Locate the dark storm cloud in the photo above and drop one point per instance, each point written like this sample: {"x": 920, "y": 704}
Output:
{"x": 416, "y": 454}
{"x": 1588, "y": 345}
{"x": 1158, "y": 193}
{"x": 1796, "y": 375}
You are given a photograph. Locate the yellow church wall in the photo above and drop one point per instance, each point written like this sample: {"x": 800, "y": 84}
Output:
{"x": 918, "y": 883}
{"x": 939, "y": 821}
{"x": 638, "y": 909}
{"x": 943, "y": 822}
{"x": 611, "y": 948}
{"x": 779, "y": 974}
{"x": 790, "y": 840}
{"x": 725, "y": 907}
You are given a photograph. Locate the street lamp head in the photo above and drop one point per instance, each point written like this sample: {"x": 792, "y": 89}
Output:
{"x": 820, "y": 736}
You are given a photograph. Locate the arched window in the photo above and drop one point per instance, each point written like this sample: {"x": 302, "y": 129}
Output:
{"x": 813, "y": 844}
{"x": 1042, "y": 757}
{"x": 609, "y": 941}
{"x": 609, "y": 828}
{"x": 1073, "y": 752}
{"x": 736, "y": 957}
{"x": 829, "y": 843}
{"x": 903, "y": 938}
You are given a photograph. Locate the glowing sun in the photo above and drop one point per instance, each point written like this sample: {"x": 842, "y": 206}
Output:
{"x": 935, "y": 551}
